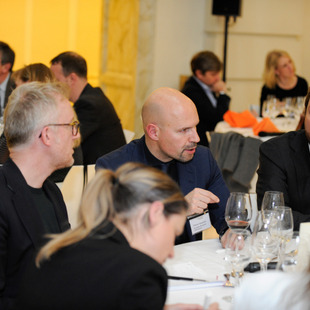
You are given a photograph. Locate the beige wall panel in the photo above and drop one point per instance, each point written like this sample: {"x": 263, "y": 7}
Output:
{"x": 178, "y": 36}
{"x": 49, "y": 29}
{"x": 122, "y": 44}
{"x": 281, "y": 17}
{"x": 11, "y": 32}
{"x": 244, "y": 94}
{"x": 41, "y": 29}
{"x": 90, "y": 35}
{"x": 250, "y": 38}
{"x": 246, "y": 54}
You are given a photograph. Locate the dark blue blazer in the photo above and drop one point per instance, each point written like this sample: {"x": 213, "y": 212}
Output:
{"x": 202, "y": 172}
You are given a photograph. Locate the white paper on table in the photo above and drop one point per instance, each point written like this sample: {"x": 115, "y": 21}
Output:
{"x": 178, "y": 285}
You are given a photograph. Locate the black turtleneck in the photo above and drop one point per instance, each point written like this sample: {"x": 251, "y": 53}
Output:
{"x": 169, "y": 167}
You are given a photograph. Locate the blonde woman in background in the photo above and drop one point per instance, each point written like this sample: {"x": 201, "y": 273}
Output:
{"x": 280, "y": 79}
{"x": 128, "y": 221}
{"x": 34, "y": 72}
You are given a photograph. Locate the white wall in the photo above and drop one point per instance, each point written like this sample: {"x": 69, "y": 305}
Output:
{"x": 184, "y": 27}
{"x": 263, "y": 26}
{"x": 179, "y": 33}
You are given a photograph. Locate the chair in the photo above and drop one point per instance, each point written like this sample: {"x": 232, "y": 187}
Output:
{"x": 90, "y": 172}
{"x": 128, "y": 135}
{"x": 72, "y": 190}
{"x": 210, "y": 233}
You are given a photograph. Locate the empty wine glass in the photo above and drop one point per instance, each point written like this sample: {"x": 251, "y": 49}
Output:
{"x": 283, "y": 231}
{"x": 237, "y": 254}
{"x": 272, "y": 199}
{"x": 285, "y": 223}
{"x": 238, "y": 212}
{"x": 264, "y": 241}
{"x": 289, "y": 261}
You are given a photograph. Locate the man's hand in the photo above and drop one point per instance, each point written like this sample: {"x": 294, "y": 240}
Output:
{"x": 224, "y": 238}
{"x": 219, "y": 86}
{"x": 198, "y": 200}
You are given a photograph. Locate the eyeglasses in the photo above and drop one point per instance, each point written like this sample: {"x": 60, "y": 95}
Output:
{"x": 75, "y": 127}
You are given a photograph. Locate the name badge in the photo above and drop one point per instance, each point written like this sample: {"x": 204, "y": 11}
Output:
{"x": 199, "y": 222}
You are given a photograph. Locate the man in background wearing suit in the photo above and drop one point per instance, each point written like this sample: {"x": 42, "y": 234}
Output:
{"x": 101, "y": 129}
{"x": 284, "y": 165}
{"x": 40, "y": 128}
{"x": 7, "y": 57}
{"x": 170, "y": 144}
{"x": 207, "y": 91}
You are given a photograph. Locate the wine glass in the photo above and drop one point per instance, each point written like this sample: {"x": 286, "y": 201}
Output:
{"x": 237, "y": 254}
{"x": 272, "y": 199}
{"x": 264, "y": 241}
{"x": 289, "y": 261}
{"x": 238, "y": 212}
{"x": 283, "y": 231}
{"x": 285, "y": 223}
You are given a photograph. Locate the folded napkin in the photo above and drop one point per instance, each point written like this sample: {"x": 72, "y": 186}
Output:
{"x": 265, "y": 125}
{"x": 243, "y": 119}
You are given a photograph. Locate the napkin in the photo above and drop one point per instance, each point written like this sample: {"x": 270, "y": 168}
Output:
{"x": 243, "y": 119}
{"x": 265, "y": 125}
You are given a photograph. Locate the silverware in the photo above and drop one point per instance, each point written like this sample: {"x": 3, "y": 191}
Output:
{"x": 227, "y": 283}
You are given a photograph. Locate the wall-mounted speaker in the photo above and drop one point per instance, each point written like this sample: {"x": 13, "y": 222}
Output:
{"x": 226, "y": 7}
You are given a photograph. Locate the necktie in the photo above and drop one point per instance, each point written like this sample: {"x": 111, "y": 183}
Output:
{"x": 211, "y": 97}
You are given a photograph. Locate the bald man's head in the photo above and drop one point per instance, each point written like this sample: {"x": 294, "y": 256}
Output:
{"x": 169, "y": 121}
{"x": 163, "y": 104}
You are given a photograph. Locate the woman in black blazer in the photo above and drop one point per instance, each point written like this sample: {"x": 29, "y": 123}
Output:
{"x": 128, "y": 223}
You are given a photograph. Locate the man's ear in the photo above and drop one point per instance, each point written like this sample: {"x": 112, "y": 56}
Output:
{"x": 198, "y": 73}
{"x": 6, "y": 67}
{"x": 152, "y": 131}
{"x": 155, "y": 213}
{"x": 46, "y": 135}
{"x": 72, "y": 78}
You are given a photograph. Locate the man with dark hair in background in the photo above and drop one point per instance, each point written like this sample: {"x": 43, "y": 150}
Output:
{"x": 7, "y": 57}
{"x": 101, "y": 129}
{"x": 207, "y": 91}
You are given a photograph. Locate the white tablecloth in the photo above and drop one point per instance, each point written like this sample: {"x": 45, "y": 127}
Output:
{"x": 203, "y": 260}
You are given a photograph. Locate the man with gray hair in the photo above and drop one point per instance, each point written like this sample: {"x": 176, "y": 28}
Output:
{"x": 41, "y": 130}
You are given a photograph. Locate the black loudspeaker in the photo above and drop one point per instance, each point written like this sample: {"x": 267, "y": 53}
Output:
{"x": 226, "y": 7}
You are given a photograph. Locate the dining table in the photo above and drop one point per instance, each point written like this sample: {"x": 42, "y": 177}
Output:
{"x": 201, "y": 260}
{"x": 284, "y": 124}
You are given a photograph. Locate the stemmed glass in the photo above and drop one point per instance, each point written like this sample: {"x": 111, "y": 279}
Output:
{"x": 289, "y": 261}
{"x": 238, "y": 212}
{"x": 264, "y": 240}
{"x": 284, "y": 230}
{"x": 237, "y": 254}
{"x": 270, "y": 108}
{"x": 272, "y": 199}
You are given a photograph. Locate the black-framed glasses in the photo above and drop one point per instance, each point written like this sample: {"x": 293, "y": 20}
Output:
{"x": 75, "y": 125}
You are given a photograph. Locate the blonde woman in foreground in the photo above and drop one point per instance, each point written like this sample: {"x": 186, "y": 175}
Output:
{"x": 128, "y": 221}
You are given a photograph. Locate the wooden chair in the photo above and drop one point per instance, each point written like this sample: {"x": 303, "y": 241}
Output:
{"x": 210, "y": 233}
{"x": 72, "y": 190}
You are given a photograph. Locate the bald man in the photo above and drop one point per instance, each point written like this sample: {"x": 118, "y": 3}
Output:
{"x": 170, "y": 144}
